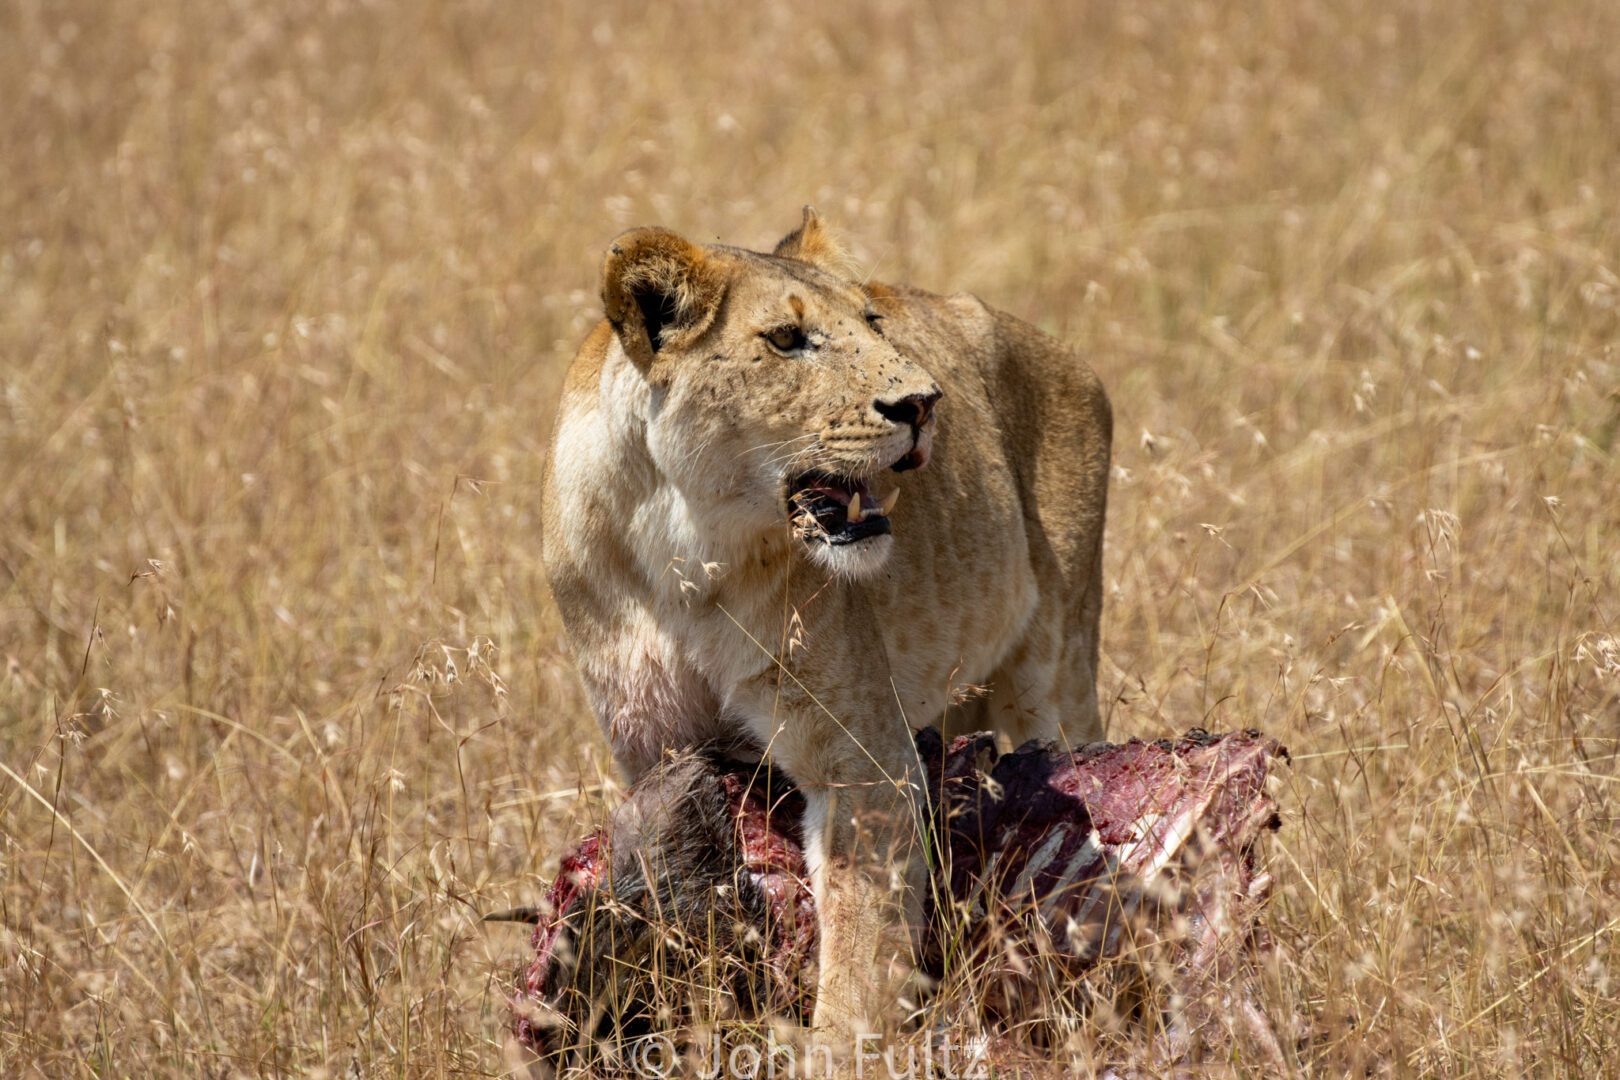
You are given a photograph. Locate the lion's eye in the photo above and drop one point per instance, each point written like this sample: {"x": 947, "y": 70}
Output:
{"x": 786, "y": 338}
{"x": 875, "y": 321}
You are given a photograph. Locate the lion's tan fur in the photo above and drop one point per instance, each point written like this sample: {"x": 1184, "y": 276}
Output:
{"x": 693, "y": 611}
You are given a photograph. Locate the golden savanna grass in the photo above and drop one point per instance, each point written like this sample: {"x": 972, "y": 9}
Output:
{"x": 286, "y": 293}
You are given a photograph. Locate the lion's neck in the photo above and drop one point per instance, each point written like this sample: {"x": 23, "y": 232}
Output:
{"x": 680, "y": 555}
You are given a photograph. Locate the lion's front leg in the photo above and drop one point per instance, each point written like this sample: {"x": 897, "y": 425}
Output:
{"x": 864, "y": 853}
{"x": 853, "y": 756}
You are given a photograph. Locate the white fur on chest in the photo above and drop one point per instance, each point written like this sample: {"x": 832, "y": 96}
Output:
{"x": 662, "y": 661}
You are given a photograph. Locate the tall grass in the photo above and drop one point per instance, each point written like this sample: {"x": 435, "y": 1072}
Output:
{"x": 286, "y": 293}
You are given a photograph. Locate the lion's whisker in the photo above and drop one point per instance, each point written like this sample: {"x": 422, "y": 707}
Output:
{"x": 779, "y": 444}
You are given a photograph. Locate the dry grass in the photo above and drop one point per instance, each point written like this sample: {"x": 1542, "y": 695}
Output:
{"x": 287, "y": 293}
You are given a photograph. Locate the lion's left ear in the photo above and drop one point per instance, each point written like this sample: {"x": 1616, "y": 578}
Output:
{"x": 811, "y": 242}
{"x": 658, "y": 287}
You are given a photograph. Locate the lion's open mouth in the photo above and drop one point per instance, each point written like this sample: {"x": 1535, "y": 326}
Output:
{"x": 838, "y": 509}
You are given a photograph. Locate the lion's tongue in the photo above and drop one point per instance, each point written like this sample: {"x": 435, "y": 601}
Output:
{"x": 842, "y": 495}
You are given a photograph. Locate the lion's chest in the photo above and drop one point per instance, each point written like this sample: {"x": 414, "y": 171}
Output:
{"x": 654, "y": 693}
{"x": 691, "y": 633}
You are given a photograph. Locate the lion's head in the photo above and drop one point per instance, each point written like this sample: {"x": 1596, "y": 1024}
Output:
{"x": 775, "y": 401}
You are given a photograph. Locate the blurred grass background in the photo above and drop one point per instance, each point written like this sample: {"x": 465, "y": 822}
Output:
{"x": 286, "y": 292}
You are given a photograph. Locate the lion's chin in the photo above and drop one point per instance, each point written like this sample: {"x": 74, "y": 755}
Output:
{"x": 857, "y": 561}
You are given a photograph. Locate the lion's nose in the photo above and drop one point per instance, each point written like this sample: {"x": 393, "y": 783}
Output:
{"x": 913, "y": 409}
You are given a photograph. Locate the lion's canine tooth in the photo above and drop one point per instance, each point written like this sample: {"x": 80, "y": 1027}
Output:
{"x": 855, "y": 507}
{"x": 886, "y": 504}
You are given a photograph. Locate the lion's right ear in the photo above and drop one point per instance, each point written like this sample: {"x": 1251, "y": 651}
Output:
{"x": 813, "y": 243}
{"x": 658, "y": 287}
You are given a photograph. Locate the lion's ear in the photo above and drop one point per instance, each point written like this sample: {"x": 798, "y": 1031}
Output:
{"x": 657, "y": 287}
{"x": 813, "y": 243}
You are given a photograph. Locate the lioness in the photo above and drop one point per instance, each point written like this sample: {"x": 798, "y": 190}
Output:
{"x": 803, "y": 510}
